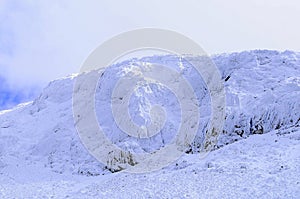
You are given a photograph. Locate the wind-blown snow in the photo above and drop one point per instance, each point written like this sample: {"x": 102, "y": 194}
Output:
{"x": 40, "y": 152}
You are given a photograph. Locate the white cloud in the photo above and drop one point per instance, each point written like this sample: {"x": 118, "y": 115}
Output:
{"x": 50, "y": 39}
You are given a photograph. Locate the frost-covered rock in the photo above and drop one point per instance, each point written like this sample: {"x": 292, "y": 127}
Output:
{"x": 262, "y": 90}
{"x": 262, "y": 94}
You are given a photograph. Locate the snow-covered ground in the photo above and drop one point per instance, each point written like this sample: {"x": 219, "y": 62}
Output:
{"x": 41, "y": 154}
{"x": 261, "y": 166}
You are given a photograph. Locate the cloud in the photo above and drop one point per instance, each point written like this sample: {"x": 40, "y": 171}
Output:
{"x": 44, "y": 40}
{"x": 9, "y": 97}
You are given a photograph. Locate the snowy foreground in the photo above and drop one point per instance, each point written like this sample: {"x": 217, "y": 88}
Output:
{"x": 257, "y": 155}
{"x": 261, "y": 166}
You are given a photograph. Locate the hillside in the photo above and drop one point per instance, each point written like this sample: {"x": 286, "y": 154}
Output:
{"x": 40, "y": 150}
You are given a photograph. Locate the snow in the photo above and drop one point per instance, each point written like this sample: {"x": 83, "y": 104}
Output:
{"x": 261, "y": 166}
{"x": 41, "y": 154}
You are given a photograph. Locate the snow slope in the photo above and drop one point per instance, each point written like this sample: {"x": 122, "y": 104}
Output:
{"x": 261, "y": 166}
{"x": 40, "y": 151}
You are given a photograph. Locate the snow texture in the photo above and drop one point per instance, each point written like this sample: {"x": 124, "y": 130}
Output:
{"x": 257, "y": 154}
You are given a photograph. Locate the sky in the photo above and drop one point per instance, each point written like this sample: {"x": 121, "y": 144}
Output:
{"x": 45, "y": 40}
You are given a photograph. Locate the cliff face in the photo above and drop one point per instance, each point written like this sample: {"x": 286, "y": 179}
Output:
{"x": 262, "y": 94}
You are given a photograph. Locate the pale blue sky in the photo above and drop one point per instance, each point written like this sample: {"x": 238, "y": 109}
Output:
{"x": 44, "y": 40}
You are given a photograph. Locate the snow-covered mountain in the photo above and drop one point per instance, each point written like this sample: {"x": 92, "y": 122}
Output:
{"x": 39, "y": 142}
